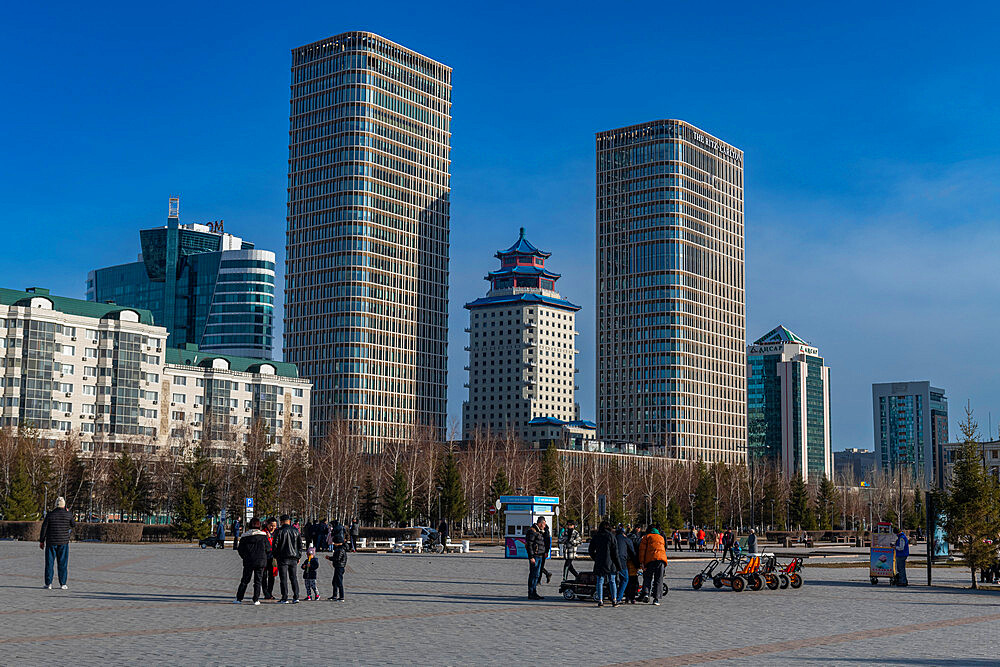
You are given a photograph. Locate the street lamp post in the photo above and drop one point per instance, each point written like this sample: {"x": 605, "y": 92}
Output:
{"x": 90, "y": 506}
{"x": 787, "y": 517}
{"x": 439, "y": 490}
{"x": 716, "y": 525}
{"x": 45, "y": 503}
{"x": 772, "y": 513}
{"x": 691, "y": 498}
{"x": 355, "y": 513}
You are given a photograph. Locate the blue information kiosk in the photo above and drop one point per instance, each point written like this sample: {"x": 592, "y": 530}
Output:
{"x": 521, "y": 512}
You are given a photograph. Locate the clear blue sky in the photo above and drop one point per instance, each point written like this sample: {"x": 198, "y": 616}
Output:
{"x": 871, "y": 137}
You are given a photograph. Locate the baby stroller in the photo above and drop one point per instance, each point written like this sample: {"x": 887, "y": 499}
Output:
{"x": 582, "y": 587}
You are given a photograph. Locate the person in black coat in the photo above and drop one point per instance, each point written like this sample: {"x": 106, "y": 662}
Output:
{"x": 287, "y": 549}
{"x": 534, "y": 547}
{"x": 626, "y": 554}
{"x": 55, "y": 541}
{"x": 255, "y": 550}
{"x": 339, "y": 561}
{"x": 604, "y": 551}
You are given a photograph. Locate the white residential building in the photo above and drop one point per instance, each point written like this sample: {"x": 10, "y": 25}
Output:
{"x": 522, "y": 347}
{"x": 102, "y": 373}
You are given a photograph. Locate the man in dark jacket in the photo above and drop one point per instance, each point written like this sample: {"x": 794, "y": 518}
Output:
{"x": 255, "y": 550}
{"x": 443, "y": 534}
{"x": 55, "y": 540}
{"x": 534, "y": 546}
{"x": 339, "y": 561}
{"x": 604, "y": 551}
{"x": 626, "y": 554}
{"x": 287, "y": 550}
{"x": 355, "y": 534}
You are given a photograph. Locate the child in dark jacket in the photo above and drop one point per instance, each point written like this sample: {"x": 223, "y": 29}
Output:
{"x": 310, "y": 566}
{"x": 339, "y": 560}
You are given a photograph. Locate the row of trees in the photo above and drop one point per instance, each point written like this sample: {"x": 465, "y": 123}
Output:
{"x": 422, "y": 480}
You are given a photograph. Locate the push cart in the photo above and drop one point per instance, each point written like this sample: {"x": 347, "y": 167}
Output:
{"x": 883, "y": 554}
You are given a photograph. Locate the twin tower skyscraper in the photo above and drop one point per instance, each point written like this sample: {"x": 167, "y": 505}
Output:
{"x": 366, "y": 299}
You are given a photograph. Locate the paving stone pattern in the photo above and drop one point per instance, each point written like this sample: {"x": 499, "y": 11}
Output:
{"x": 172, "y": 604}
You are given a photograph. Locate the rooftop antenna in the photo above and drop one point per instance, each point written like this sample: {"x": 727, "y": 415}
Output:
{"x": 174, "y": 207}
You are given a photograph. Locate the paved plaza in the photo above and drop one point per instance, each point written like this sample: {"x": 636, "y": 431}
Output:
{"x": 172, "y": 604}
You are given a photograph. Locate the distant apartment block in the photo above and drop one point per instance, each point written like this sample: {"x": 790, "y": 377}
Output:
{"x": 671, "y": 327}
{"x": 522, "y": 348}
{"x": 911, "y": 429}
{"x": 205, "y": 286}
{"x": 366, "y": 297}
{"x": 853, "y": 464}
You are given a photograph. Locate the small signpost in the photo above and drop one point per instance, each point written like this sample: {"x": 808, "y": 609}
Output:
{"x": 249, "y": 509}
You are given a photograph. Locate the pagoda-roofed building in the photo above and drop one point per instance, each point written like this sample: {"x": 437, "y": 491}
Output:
{"x": 522, "y": 347}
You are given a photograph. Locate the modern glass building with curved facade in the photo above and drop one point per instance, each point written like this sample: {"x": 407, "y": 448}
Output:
{"x": 366, "y": 294}
{"x": 670, "y": 291}
{"x": 207, "y": 287}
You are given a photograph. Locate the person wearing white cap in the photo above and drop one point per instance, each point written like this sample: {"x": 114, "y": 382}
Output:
{"x": 54, "y": 539}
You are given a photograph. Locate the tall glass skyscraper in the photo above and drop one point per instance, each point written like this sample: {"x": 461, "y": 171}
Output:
{"x": 366, "y": 298}
{"x": 205, "y": 286}
{"x": 911, "y": 429}
{"x": 788, "y": 405}
{"x": 671, "y": 361}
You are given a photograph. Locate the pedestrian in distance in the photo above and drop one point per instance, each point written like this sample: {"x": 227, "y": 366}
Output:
{"x": 727, "y": 543}
{"x": 604, "y": 551}
{"x": 55, "y": 541}
{"x": 692, "y": 539}
{"x": 902, "y": 547}
{"x": 653, "y": 556}
{"x": 355, "y": 533}
{"x": 676, "y": 539}
{"x": 571, "y": 542}
{"x": 443, "y": 534}
{"x": 271, "y": 571}
{"x": 561, "y": 543}
{"x": 548, "y": 550}
{"x": 287, "y": 549}
{"x": 701, "y": 539}
{"x": 310, "y": 566}
{"x": 626, "y": 555}
{"x": 321, "y": 535}
{"x": 339, "y": 561}
{"x": 534, "y": 546}
{"x": 752, "y": 543}
{"x": 237, "y": 529}
{"x": 254, "y": 548}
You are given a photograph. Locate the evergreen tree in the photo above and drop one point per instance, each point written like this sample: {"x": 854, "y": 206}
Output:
{"x": 130, "y": 488}
{"x": 201, "y": 471}
{"x": 453, "y": 507}
{"x": 674, "y": 519}
{"x": 369, "y": 502}
{"x": 267, "y": 488}
{"x": 550, "y": 472}
{"x": 826, "y": 503}
{"x": 21, "y": 504}
{"x": 500, "y": 485}
{"x": 396, "y": 499}
{"x": 189, "y": 522}
{"x": 916, "y": 517}
{"x": 704, "y": 497}
{"x": 972, "y": 503}
{"x": 798, "y": 504}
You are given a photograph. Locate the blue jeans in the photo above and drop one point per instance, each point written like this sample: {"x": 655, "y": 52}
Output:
{"x": 59, "y": 553}
{"x": 622, "y": 584}
{"x": 534, "y": 575}
{"x": 599, "y": 588}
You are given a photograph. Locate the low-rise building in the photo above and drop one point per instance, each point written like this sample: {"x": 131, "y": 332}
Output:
{"x": 853, "y": 463}
{"x": 101, "y": 373}
{"x": 989, "y": 453}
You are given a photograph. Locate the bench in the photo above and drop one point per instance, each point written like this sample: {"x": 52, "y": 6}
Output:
{"x": 383, "y": 544}
{"x": 412, "y": 546}
{"x": 461, "y": 547}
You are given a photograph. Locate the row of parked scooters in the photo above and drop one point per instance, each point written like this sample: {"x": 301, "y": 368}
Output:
{"x": 751, "y": 571}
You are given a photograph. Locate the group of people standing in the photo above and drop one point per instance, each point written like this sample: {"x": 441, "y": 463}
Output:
{"x": 620, "y": 556}
{"x": 270, "y": 551}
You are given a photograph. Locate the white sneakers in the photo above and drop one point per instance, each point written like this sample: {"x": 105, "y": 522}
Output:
{"x": 49, "y": 587}
{"x": 257, "y": 603}
{"x": 64, "y": 587}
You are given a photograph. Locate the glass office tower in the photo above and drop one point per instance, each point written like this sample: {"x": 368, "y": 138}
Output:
{"x": 788, "y": 405}
{"x": 366, "y": 297}
{"x": 207, "y": 287}
{"x": 670, "y": 291}
{"x": 911, "y": 429}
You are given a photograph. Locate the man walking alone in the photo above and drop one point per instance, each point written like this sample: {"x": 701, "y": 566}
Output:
{"x": 287, "y": 551}
{"x": 534, "y": 545}
{"x": 55, "y": 540}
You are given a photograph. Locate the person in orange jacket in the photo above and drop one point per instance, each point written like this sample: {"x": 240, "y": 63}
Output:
{"x": 653, "y": 556}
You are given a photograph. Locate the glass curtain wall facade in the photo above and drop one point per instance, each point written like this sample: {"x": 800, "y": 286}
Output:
{"x": 909, "y": 419}
{"x": 208, "y": 288}
{"x": 670, "y": 291}
{"x": 366, "y": 297}
{"x": 788, "y": 405}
